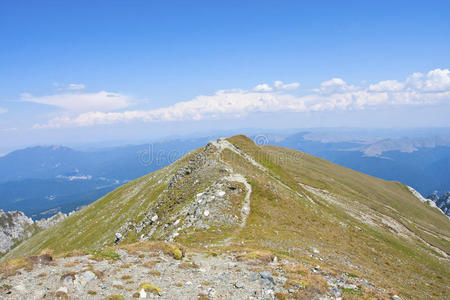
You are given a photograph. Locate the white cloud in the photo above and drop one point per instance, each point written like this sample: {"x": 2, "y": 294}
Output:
{"x": 387, "y": 86}
{"x": 83, "y": 102}
{"x": 335, "y": 85}
{"x": 277, "y": 86}
{"x": 334, "y": 94}
{"x": 3, "y": 110}
{"x": 437, "y": 80}
{"x": 75, "y": 86}
{"x": 264, "y": 87}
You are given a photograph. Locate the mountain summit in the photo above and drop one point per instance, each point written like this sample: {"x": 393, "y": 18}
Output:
{"x": 234, "y": 197}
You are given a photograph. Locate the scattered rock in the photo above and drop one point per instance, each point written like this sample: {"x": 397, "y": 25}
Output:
{"x": 142, "y": 293}
{"x": 314, "y": 250}
{"x": 62, "y": 289}
{"x": 267, "y": 276}
{"x": 84, "y": 278}
{"x": 20, "y": 288}
{"x": 395, "y": 297}
{"x": 68, "y": 280}
{"x": 336, "y": 292}
{"x": 116, "y": 282}
{"x": 211, "y": 293}
{"x": 218, "y": 277}
{"x": 348, "y": 286}
{"x": 220, "y": 193}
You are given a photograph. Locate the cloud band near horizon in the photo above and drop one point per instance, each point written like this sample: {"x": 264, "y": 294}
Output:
{"x": 82, "y": 109}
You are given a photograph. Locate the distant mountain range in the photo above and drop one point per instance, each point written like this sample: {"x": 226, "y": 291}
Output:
{"x": 42, "y": 180}
{"x": 423, "y": 163}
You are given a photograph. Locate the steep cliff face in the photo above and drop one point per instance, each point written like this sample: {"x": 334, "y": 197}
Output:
{"x": 443, "y": 202}
{"x": 14, "y": 227}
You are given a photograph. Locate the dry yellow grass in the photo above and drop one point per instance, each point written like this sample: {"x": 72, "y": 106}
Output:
{"x": 286, "y": 217}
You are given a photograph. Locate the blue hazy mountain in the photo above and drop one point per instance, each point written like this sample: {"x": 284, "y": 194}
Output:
{"x": 43, "y": 180}
{"x": 426, "y": 167}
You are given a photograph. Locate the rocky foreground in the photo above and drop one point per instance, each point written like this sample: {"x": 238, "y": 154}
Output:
{"x": 154, "y": 273}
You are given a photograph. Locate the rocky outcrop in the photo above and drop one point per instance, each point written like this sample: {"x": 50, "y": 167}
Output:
{"x": 433, "y": 201}
{"x": 15, "y": 227}
{"x": 46, "y": 223}
{"x": 443, "y": 202}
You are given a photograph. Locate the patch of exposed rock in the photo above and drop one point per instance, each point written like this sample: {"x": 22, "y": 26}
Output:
{"x": 15, "y": 227}
{"x": 443, "y": 202}
{"x": 46, "y": 223}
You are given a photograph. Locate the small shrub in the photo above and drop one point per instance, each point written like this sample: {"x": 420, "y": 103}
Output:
{"x": 352, "y": 292}
{"x": 70, "y": 264}
{"x": 262, "y": 256}
{"x": 115, "y": 297}
{"x": 203, "y": 296}
{"x": 150, "y": 288}
{"x": 125, "y": 266}
{"x": 61, "y": 295}
{"x": 101, "y": 255}
{"x": 188, "y": 265}
{"x": 176, "y": 252}
{"x": 149, "y": 264}
{"x": 126, "y": 277}
{"x": 91, "y": 292}
{"x": 154, "y": 272}
{"x": 281, "y": 296}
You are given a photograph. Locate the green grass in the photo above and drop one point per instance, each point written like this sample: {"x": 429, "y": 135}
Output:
{"x": 282, "y": 220}
{"x": 352, "y": 292}
{"x": 107, "y": 254}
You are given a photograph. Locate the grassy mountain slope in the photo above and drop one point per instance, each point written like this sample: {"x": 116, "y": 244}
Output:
{"x": 234, "y": 195}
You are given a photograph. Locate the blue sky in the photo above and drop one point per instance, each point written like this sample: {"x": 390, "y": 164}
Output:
{"x": 75, "y": 71}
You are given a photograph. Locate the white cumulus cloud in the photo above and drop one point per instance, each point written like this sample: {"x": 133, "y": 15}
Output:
{"x": 277, "y": 86}
{"x": 437, "y": 80}
{"x": 335, "y": 85}
{"x": 264, "y": 87}
{"x": 334, "y": 94}
{"x": 83, "y": 102}
{"x": 387, "y": 86}
{"x": 3, "y": 110}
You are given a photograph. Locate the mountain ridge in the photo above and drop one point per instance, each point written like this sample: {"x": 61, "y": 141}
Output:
{"x": 297, "y": 202}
